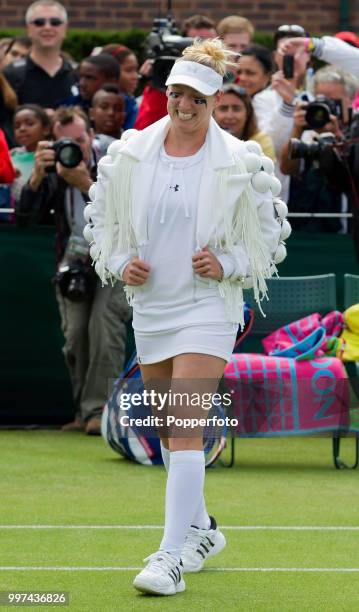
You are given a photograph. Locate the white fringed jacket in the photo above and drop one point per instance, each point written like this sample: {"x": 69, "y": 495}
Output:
{"x": 244, "y": 224}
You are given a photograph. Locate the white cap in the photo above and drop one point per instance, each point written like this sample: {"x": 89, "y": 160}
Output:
{"x": 201, "y": 78}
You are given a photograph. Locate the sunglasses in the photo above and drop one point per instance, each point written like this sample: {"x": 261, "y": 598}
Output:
{"x": 292, "y": 28}
{"x": 52, "y": 21}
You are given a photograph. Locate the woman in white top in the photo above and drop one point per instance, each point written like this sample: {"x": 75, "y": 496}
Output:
{"x": 183, "y": 212}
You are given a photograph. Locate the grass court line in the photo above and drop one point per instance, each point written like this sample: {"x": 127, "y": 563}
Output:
{"x": 225, "y": 527}
{"x": 338, "y": 570}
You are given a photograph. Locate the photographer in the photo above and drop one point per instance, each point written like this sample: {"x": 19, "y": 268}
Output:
{"x": 154, "y": 101}
{"x": 93, "y": 318}
{"x": 317, "y": 184}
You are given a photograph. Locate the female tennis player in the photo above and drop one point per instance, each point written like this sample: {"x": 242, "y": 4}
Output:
{"x": 184, "y": 214}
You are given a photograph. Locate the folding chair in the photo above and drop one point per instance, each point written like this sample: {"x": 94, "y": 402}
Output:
{"x": 291, "y": 298}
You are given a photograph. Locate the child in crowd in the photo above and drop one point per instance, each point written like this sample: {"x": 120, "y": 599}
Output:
{"x": 128, "y": 79}
{"x": 31, "y": 124}
{"x": 107, "y": 114}
{"x": 94, "y": 71}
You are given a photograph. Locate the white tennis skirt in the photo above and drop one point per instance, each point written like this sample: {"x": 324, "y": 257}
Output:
{"x": 215, "y": 339}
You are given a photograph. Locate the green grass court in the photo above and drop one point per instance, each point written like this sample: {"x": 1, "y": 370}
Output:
{"x": 68, "y": 480}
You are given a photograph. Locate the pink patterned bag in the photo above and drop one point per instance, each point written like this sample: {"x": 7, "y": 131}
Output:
{"x": 299, "y": 338}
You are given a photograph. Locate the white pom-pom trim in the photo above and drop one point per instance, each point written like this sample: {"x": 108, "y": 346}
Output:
{"x": 281, "y": 208}
{"x": 92, "y": 191}
{"x": 87, "y": 233}
{"x": 252, "y": 162}
{"x": 106, "y": 159}
{"x": 88, "y": 210}
{"x": 286, "y": 230}
{"x": 253, "y": 147}
{"x": 275, "y": 185}
{"x": 261, "y": 181}
{"x": 267, "y": 164}
{"x": 94, "y": 251}
{"x": 128, "y": 134}
{"x": 113, "y": 149}
{"x": 280, "y": 254}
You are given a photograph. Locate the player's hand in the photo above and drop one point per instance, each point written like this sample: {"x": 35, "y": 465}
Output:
{"x": 136, "y": 272}
{"x": 206, "y": 264}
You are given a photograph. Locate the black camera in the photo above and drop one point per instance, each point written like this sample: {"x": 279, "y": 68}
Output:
{"x": 67, "y": 152}
{"x": 318, "y": 112}
{"x": 75, "y": 276}
{"x": 164, "y": 45}
{"x": 310, "y": 152}
{"x": 75, "y": 281}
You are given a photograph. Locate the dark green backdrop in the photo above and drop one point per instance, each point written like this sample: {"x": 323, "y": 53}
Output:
{"x": 33, "y": 379}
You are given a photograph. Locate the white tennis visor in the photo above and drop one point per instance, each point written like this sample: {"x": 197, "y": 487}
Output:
{"x": 201, "y": 78}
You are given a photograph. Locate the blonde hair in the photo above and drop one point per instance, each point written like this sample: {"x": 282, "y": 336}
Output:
{"x": 210, "y": 52}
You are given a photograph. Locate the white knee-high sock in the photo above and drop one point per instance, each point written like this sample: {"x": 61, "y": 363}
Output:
{"x": 201, "y": 518}
{"x": 165, "y": 456}
{"x": 184, "y": 491}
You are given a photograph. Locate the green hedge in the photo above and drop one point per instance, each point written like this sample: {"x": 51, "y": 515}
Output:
{"x": 79, "y": 43}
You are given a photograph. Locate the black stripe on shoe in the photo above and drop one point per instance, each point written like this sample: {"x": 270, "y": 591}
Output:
{"x": 200, "y": 552}
{"x": 210, "y": 541}
{"x": 205, "y": 547}
{"x": 173, "y": 575}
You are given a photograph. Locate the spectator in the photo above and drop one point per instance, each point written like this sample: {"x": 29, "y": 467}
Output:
{"x": 235, "y": 114}
{"x": 274, "y": 106}
{"x": 107, "y": 114}
{"x": 128, "y": 79}
{"x": 7, "y": 175}
{"x": 18, "y": 48}
{"x": 31, "y": 124}
{"x": 328, "y": 49}
{"x": 236, "y": 32}
{"x": 43, "y": 77}
{"x": 7, "y": 171}
{"x": 348, "y": 37}
{"x": 199, "y": 26}
{"x": 255, "y": 69}
{"x": 95, "y": 71}
{"x": 94, "y": 326}
{"x": 311, "y": 189}
{"x": 8, "y": 103}
{"x": 154, "y": 101}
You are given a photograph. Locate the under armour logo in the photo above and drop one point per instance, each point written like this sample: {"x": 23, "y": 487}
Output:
{"x": 174, "y": 187}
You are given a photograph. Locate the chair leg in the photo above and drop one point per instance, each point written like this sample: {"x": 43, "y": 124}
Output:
{"x": 232, "y": 454}
{"x": 339, "y": 464}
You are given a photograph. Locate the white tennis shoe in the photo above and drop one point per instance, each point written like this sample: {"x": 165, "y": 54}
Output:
{"x": 200, "y": 545}
{"x": 161, "y": 576}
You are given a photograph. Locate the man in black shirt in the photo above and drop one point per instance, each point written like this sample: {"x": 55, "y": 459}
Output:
{"x": 44, "y": 77}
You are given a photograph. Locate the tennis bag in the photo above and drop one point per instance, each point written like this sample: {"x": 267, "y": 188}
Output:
{"x": 140, "y": 444}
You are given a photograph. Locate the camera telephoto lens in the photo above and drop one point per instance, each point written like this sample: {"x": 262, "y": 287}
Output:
{"x": 302, "y": 150}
